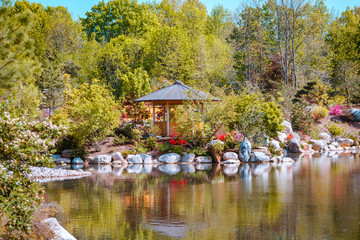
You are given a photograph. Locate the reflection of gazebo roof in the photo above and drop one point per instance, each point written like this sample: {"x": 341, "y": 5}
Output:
{"x": 176, "y": 92}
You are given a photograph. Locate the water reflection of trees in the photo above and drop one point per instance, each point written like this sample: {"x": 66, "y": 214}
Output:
{"x": 316, "y": 197}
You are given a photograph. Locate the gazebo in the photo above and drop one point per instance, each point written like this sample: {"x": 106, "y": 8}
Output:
{"x": 175, "y": 94}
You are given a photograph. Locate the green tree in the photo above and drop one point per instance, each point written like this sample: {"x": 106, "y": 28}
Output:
{"x": 90, "y": 112}
{"x": 118, "y": 17}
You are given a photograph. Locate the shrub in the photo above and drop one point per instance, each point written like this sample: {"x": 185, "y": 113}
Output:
{"x": 126, "y": 153}
{"x": 139, "y": 147}
{"x": 151, "y": 142}
{"x": 301, "y": 119}
{"x": 320, "y": 112}
{"x": 273, "y": 151}
{"x": 199, "y": 151}
{"x": 89, "y": 112}
{"x": 334, "y": 129}
{"x": 178, "y": 149}
{"x": 24, "y": 143}
{"x": 120, "y": 140}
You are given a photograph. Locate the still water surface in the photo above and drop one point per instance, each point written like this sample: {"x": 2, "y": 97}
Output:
{"x": 316, "y": 197}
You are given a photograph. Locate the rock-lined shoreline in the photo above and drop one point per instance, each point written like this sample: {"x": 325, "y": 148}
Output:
{"x": 43, "y": 173}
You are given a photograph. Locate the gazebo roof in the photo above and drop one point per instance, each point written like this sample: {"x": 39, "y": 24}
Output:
{"x": 176, "y": 92}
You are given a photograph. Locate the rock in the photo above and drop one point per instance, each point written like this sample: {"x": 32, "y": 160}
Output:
{"x": 354, "y": 114}
{"x": 275, "y": 144}
{"x": 57, "y": 231}
{"x": 286, "y": 159}
{"x": 101, "y": 159}
{"x": 88, "y": 160}
{"x": 136, "y": 159}
{"x": 204, "y": 159}
{"x": 117, "y": 156}
{"x": 319, "y": 145}
{"x": 147, "y": 159}
{"x": 259, "y": 157}
{"x": 231, "y": 169}
{"x": 215, "y": 152}
{"x": 325, "y": 136}
{"x": 245, "y": 171}
{"x": 332, "y": 147}
{"x": 288, "y": 128}
{"x": 56, "y": 156}
{"x": 336, "y": 144}
{"x": 245, "y": 151}
{"x": 188, "y": 157}
{"x": 294, "y": 146}
{"x": 231, "y": 161}
{"x": 343, "y": 142}
{"x": 170, "y": 169}
{"x": 129, "y": 156}
{"x": 170, "y": 158}
{"x": 188, "y": 168}
{"x": 205, "y": 166}
{"x": 77, "y": 161}
{"x": 66, "y": 154}
{"x": 282, "y": 137}
{"x": 63, "y": 161}
{"x": 296, "y": 136}
{"x": 230, "y": 155}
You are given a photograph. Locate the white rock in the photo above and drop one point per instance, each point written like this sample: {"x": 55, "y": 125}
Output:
{"x": 259, "y": 157}
{"x": 101, "y": 159}
{"x": 59, "y": 233}
{"x": 204, "y": 159}
{"x": 147, "y": 159}
{"x": 282, "y": 137}
{"x": 288, "y": 128}
{"x": 325, "y": 136}
{"x": 170, "y": 158}
{"x": 136, "y": 159}
{"x": 118, "y": 156}
{"x": 275, "y": 144}
{"x": 230, "y": 155}
{"x": 188, "y": 157}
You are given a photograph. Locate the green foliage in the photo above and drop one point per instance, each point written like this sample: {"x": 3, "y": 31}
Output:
{"x": 273, "y": 151}
{"x": 312, "y": 92}
{"x": 151, "y": 142}
{"x": 23, "y": 144}
{"x": 120, "y": 140}
{"x": 320, "y": 112}
{"x": 334, "y": 129}
{"x": 126, "y": 153}
{"x": 139, "y": 147}
{"x": 90, "y": 112}
{"x": 199, "y": 151}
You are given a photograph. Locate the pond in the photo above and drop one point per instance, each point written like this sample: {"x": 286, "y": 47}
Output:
{"x": 317, "y": 197}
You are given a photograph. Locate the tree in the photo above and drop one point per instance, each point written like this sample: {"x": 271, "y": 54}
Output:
{"x": 118, "y": 17}
{"x": 89, "y": 111}
{"x": 16, "y": 49}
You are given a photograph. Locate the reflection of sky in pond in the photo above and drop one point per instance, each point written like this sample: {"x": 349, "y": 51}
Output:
{"x": 316, "y": 197}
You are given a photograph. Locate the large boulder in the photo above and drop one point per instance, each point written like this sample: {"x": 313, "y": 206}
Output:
{"x": 170, "y": 158}
{"x": 52, "y": 226}
{"x": 203, "y": 159}
{"x": 77, "y": 161}
{"x": 245, "y": 151}
{"x": 188, "y": 157}
{"x": 170, "y": 169}
{"x": 63, "y": 161}
{"x": 66, "y": 154}
{"x": 343, "y": 142}
{"x": 275, "y": 144}
{"x": 259, "y": 157}
{"x": 230, "y": 155}
{"x": 354, "y": 114}
{"x": 136, "y": 159}
{"x": 101, "y": 159}
{"x": 147, "y": 159}
{"x": 294, "y": 146}
{"x": 282, "y": 137}
{"x": 325, "y": 136}
{"x": 319, "y": 145}
{"x": 306, "y": 147}
{"x": 288, "y": 128}
{"x": 117, "y": 156}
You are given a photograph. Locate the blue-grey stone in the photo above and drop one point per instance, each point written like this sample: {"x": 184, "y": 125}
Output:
{"x": 56, "y": 156}
{"x": 245, "y": 151}
{"x": 170, "y": 158}
{"x": 101, "y": 159}
{"x": 188, "y": 157}
{"x": 294, "y": 146}
{"x": 136, "y": 159}
{"x": 354, "y": 114}
{"x": 77, "y": 161}
{"x": 259, "y": 157}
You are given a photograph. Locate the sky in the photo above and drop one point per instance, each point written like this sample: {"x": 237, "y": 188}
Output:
{"x": 78, "y": 8}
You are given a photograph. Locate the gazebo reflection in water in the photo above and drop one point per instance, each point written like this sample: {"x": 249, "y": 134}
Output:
{"x": 173, "y": 95}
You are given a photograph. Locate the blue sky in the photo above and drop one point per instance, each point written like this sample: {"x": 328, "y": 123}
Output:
{"x": 78, "y": 8}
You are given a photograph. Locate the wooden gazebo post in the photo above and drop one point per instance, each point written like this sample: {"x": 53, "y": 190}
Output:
{"x": 167, "y": 119}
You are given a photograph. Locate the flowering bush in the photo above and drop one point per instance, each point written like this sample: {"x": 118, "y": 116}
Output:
{"x": 337, "y": 110}
{"x": 23, "y": 143}
{"x": 177, "y": 139}
{"x": 319, "y": 112}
